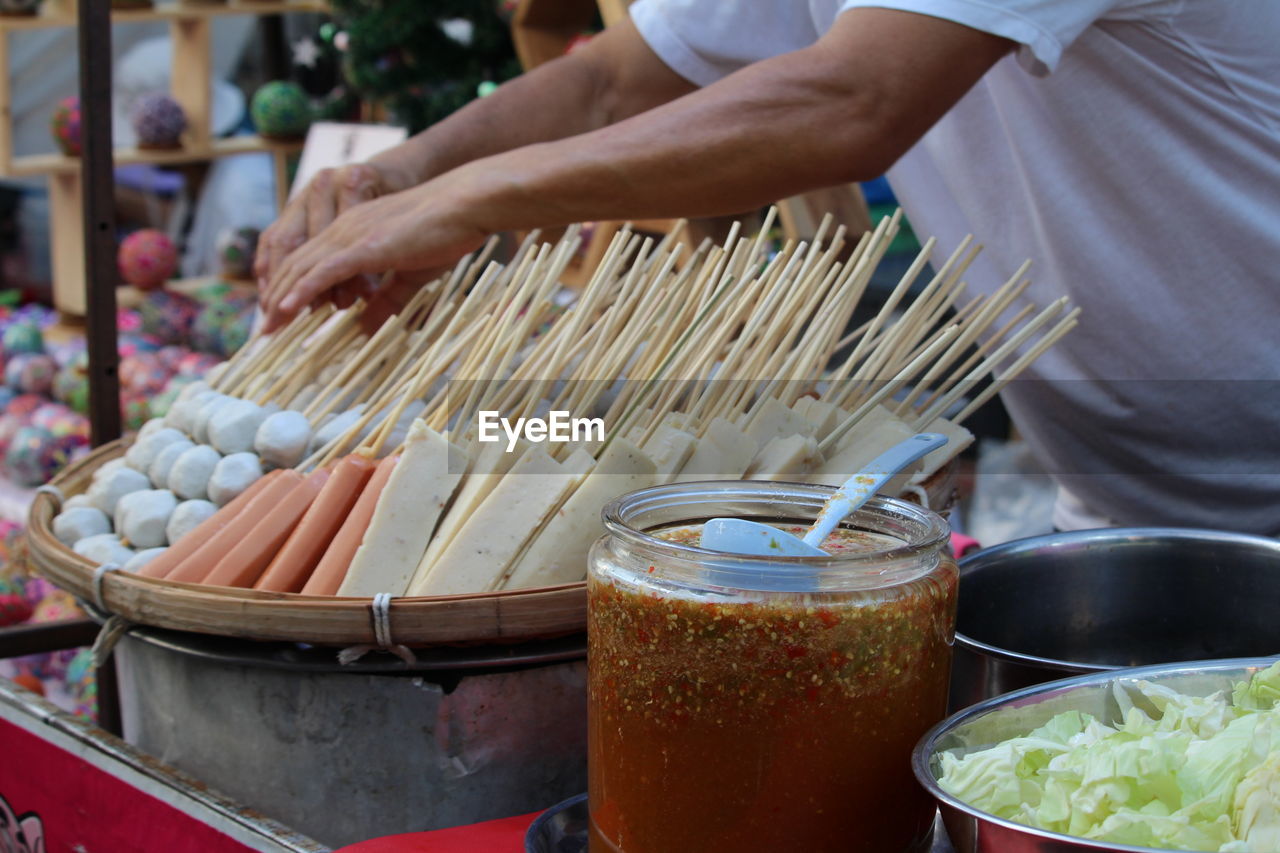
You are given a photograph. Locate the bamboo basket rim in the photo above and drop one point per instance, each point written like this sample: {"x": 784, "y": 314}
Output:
{"x": 506, "y": 616}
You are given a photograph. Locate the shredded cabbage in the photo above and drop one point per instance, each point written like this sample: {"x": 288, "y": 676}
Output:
{"x": 1176, "y": 772}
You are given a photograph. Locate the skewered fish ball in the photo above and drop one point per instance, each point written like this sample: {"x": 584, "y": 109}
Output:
{"x": 189, "y": 477}
{"x": 234, "y": 426}
{"x": 282, "y": 439}
{"x": 104, "y": 548}
{"x": 187, "y": 516}
{"x": 76, "y": 523}
{"x": 147, "y": 447}
{"x": 115, "y": 484}
{"x": 141, "y": 558}
{"x": 163, "y": 464}
{"x": 232, "y": 475}
{"x": 145, "y": 516}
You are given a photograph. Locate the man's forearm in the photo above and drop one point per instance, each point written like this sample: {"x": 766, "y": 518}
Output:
{"x": 612, "y": 77}
{"x": 817, "y": 117}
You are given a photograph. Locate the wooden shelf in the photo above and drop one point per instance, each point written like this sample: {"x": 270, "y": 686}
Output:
{"x": 53, "y": 164}
{"x": 55, "y": 17}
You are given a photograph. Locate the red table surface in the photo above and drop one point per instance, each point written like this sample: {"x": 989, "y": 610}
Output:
{"x": 495, "y": 836}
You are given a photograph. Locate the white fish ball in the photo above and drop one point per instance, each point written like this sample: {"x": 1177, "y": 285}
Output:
{"x": 282, "y": 439}
{"x": 144, "y": 522}
{"x": 141, "y": 558}
{"x": 151, "y": 427}
{"x": 143, "y": 451}
{"x": 335, "y": 427}
{"x": 104, "y": 548}
{"x": 182, "y": 414}
{"x": 77, "y": 501}
{"x": 232, "y": 475}
{"x": 163, "y": 464}
{"x": 107, "y": 467}
{"x": 189, "y": 476}
{"x": 106, "y": 492}
{"x": 200, "y": 422}
{"x": 187, "y": 516}
{"x": 191, "y": 390}
{"x": 72, "y": 525}
{"x": 232, "y": 427}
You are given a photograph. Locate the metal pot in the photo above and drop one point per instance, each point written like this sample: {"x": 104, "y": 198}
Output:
{"x": 347, "y": 753}
{"x": 989, "y": 722}
{"x": 1050, "y": 606}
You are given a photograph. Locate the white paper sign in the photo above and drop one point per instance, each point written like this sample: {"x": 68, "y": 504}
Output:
{"x": 330, "y": 145}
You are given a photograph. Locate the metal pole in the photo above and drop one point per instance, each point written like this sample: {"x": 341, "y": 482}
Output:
{"x": 98, "y": 176}
{"x": 97, "y": 173}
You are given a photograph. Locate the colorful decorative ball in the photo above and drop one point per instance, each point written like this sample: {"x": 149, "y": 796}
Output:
{"x": 195, "y": 365}
{"x": 168, "y": 316}
{"x": 23, "y": 337}
{"x": 9, "y": 427}
{"x": 65, "y": 126}
{"x": 63, "y": 450}
{"x": 236, "y": 250}
{"x": 24, "y": 406}
{"x": 25, "y": 460}
{"x": 19, "y": 8}
{"x": 71, "y": 385}
{"x": 281, "y": 110}
{"x": 143, "y": 373}
{"x": 82, "y": 684}
{"x": 135, "y": 410}
{"x": 49, "y": 413}
{"x": 6, "y": 396}
{"x": 30, "y": 373}
{"x": 158, "y": 120}
{"x": 161, "y": 403}
{"x": 147, "y": 259}
{"x": 171, "y": 356}
{"x": 14, "y": 610}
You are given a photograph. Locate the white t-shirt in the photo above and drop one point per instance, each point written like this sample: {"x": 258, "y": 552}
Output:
{"x": 1131, "y": 149}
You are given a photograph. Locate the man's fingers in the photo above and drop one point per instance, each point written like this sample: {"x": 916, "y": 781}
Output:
{"x": 356, "y": 184}
{"x": 322, "y": 207}
{"x": 315, "y": 279}
{"x": 277, "y": 242}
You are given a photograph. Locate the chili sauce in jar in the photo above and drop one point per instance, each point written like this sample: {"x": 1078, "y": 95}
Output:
{"x": 740, "y": 703}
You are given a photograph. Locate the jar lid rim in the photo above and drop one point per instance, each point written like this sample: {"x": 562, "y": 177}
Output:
{"x": 934, "y": 534}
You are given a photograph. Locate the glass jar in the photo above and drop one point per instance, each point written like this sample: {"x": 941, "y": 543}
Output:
{"x": 763, "y": 703}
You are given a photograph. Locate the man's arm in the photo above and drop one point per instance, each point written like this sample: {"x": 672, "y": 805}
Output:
{"x": 613, "y": 76}
{"x": 844, "y": 109}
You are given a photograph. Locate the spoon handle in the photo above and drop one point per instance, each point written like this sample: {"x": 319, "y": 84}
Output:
{"x": 861, "y": 486}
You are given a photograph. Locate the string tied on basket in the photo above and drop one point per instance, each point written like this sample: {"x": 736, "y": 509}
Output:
{"x": 54, "y": 492}
{"x": 116, "y": 625}
{"x": 380, "y": 613}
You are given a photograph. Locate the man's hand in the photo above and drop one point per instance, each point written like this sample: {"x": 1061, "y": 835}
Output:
{"x": 412, "y": 233}
{"x": 329, "y": 193}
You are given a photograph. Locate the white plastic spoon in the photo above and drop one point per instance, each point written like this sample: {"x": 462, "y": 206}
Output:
{"x": 740, "y": 536}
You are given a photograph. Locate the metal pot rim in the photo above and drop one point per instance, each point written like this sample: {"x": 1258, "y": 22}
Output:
{"x": 924, "y": 751}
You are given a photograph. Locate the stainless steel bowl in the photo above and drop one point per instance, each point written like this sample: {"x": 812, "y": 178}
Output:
{"x": 1051, "y": 606}
{"x": 989, "y": 722}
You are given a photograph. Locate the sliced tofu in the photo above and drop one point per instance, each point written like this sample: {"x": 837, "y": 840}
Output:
{"x": 517, "y": 508}
{"x": 429, "y": 470}
{"x": 723, "y": 453}
{"x": 874, "y": 434}
{"x": 670, "y": 448}
{"x": 774, "y": 420}
{"x": 486, "y": 471}
{"x": 559, "y": 552}
{"x": 789, "y": 457}
{"x": 824, "y": 417}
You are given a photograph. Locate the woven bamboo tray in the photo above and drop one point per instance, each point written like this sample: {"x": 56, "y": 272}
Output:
{"x": 490, "y": 617}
